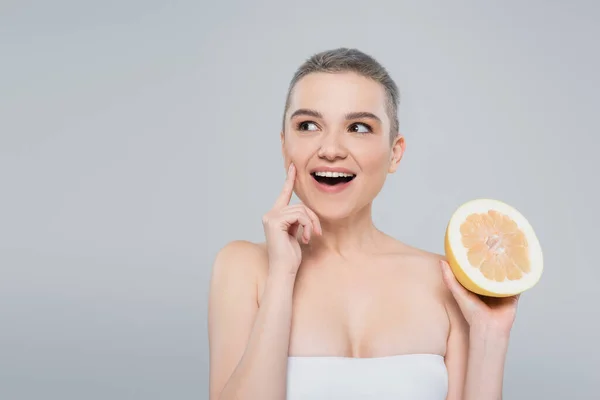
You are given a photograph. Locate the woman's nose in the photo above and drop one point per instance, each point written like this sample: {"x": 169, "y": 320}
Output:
{"x": 332, "y": 146}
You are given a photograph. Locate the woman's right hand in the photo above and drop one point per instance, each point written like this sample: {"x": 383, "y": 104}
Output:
{"x": 281, "y": 225}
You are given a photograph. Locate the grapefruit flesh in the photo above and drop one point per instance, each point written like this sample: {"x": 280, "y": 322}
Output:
{"x": 492, "y": 249}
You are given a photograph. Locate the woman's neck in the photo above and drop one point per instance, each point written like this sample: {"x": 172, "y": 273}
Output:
{"x": 347, "y": 237}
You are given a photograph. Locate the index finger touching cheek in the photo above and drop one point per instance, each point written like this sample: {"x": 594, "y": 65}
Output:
{"x": 288, "y": 188}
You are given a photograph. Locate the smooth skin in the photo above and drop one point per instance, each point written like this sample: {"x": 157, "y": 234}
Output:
{"x": 327, "y": 282}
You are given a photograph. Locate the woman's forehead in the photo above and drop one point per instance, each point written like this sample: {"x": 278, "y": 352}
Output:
{"x": 335, "y": 94}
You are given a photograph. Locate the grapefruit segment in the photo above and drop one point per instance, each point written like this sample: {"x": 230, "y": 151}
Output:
{"x": 492, "y": 249}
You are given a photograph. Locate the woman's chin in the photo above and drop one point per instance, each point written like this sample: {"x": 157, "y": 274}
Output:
{"x": 333, "y": 212}
{"x": 333, "y": 209}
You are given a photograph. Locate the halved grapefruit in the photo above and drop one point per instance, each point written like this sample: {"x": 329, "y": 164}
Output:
{"x": 492, "y": 249}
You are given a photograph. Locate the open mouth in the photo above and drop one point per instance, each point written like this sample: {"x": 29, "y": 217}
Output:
{"x": 332, "y": 178}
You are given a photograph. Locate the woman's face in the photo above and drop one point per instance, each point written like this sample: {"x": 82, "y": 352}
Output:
{"x": 337, "y": 123}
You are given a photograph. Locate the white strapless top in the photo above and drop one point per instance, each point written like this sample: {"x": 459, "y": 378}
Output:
{"x": 407, "y": 376}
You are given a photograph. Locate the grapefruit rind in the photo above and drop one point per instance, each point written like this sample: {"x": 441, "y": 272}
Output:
{"x": 471, "y": 277}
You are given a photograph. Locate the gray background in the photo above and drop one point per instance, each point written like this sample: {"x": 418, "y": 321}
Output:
{"x": 138, "y": 137}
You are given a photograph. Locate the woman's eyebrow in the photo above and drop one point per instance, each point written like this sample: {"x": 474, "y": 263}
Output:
{"x": 307, "y": 112}
{"x": 362, "y": 114}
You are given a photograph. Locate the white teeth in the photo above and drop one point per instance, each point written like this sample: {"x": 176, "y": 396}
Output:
{"x": 330, "y": 174}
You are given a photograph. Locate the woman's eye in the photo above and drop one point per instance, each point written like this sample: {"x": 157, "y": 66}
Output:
{"x": 307, "y": 126}
{"x": 360, "y": 128}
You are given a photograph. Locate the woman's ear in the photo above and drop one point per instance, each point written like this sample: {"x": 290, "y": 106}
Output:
{"x": 398, "y": 147}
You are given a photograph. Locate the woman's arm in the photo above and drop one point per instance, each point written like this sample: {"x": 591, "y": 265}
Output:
{"x": 248, "y": 344}
{"x": 475, "y": 360}
{"x": 457, "y": 350}
{"x": 485, "y": 365}
{"x": 477, "y": 343}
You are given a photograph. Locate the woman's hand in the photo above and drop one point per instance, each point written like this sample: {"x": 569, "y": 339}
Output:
{"x": 482, "y": 313}
{"x": 281, "y": 226}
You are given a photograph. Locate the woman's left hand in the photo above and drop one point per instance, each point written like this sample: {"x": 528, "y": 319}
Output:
{"x": 481, "y": 312}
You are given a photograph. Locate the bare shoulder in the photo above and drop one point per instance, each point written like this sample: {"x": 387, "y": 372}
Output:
{"x": 430, "y": 270}
{"x": 424, "y": 257}
{"x": 424, "y": 260}
{"x": 241, "y": 255}
{"x": 425, "y": 264}
{"x": 244, "y": 247}
{"x": 239, "y": 260}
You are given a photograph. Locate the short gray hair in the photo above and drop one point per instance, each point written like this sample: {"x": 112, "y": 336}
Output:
{"x": 351, "y": 60}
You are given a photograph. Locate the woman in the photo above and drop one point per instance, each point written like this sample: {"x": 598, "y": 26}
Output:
{"x": 330, "y": 307}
